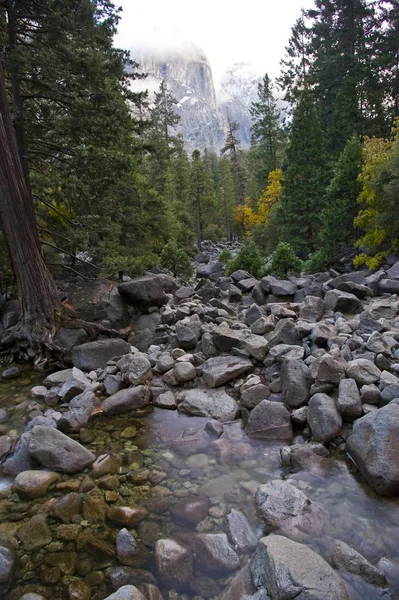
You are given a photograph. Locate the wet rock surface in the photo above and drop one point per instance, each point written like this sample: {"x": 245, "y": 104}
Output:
{"x": 103, "y": 478}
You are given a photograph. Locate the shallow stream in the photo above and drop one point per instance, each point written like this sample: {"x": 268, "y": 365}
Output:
{"x": 167, "y": 456}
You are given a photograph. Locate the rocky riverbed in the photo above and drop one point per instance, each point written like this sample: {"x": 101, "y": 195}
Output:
{"x": 243, "y": 442}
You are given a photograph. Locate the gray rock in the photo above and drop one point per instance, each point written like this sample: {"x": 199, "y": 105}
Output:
{"x": 343, "y": 302}
{"x": 190, "y": 511}
{"x": 368, "y": 323}
{"x": 207, "y": 290}
{"x": 349, "y": 403}
{"x": 305, "y": 457}
{"x": 271, "y": 421}
{"x": 291, "y": 570}
{"x": 388, "y": 286}
{"x": 56, "y": 451}
{"x": 186, "y": 337}
{"x": 165, "y": 400}
{"x": 281, "y": 505}
{"x": 283, "y": 352}
{"x": 327, "y": 370}
{"x": 214, "y": 554}
{"x": 80, "y": 409}
{"x": 7, "y": 567}
{"x": 281, "y": 287}
{"x": 347, "y": 558}
{"x": 240, "y": 532}
{"x": 206, "y": 270}
{"x": 225, "y": 338}
{"x": 32, "y": 596}
{"x": 221, "y": 369}
{"x": 384, "y": 308}
{"x": 285, "y": 332}
{"x": 374, "y": 447}
{"x": 184, "y": 371}
{"x": 393, "y": 272}
{"x": 20, "y": 460}
{"x": 357, "y": 289}
{"x": 296, "y": 380}
{"x": 256, "y": 346}
{"x": 321, "y": 333}
{"x": 57, "y": 378}
{"x": 126, "y": 548}
{"x": 246, "y": 285}
{"x": 312, "y": 309}
{"x": 389, "y": 393}
{"x": 363, "y": 371}
{"x": 126, "y": 592}
{"x": 253, "y": 314}
{"x": 147, "y": 291}
{"x": 239, "y": 587}
{"x": 370, "y": 394}
{"x": 127, "y": 400}
{"x": 174, "y": 564}
{"x": 323, "y": 418}
{"x": 208, "y": 403}
{"x": 95, "y": 355}
{"x": 136, "y": 368}
{"x": 254, "y": 394}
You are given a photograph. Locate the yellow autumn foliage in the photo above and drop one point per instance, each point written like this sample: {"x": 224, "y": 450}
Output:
{"x": 247, "y": 217}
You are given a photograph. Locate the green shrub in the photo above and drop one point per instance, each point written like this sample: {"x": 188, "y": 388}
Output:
{"x": 284, "y": 261}
{"x": 176, "y": 260}
{"x": 225, "y": 256}
{"x": 249, "y": 258}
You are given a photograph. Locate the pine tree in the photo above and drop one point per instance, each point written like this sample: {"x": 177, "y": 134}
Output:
{"x": 226, "y": 195}
{"x": 232, "y": 150}
{"x": 338, "y": 233}
{"x": 305, "y": 179}
{"x": 201, "y": 193}
{"x": 266, "y": 131}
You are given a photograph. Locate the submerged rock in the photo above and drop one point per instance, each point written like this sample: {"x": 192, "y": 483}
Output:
{"x": 174, "y": 563}
{"x": 214, "y": 554}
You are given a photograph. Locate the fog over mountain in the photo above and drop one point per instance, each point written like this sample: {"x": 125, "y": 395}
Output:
{"x": 204, "y": 109}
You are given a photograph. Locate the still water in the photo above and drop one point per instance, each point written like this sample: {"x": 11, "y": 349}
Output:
{"x": 167, "y": 456}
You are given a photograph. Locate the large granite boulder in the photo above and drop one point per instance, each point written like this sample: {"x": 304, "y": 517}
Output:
{"x": 296, "y": 381}
{"x": 208, "y": 403}
{"x": 219, "y": 370}
{"x": 95, "y": 355}
{"x": 147, "y": 291}
{"x": 270, "y": 421}
{"x": 54, "y": 450}
{"x": 343, "y": 302}
{"x": 323, "y": 418}
{"x": 291, "y": 570}
{"x": 374, "y": 447}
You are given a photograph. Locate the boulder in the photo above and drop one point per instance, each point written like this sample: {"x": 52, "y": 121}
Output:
{"x": 80, "y": 409}
{"x": 7, "y": 567}
{"x": 374, "y": 447}
{"x": 312, "y": 309}
{"x": 174, "y": 564}
{"x": 251, "y": 396}
{"x": 126, "y": 592}
{"x": 349, "y": 403}
{"x": 54, "y": 450}
{"x": 347, "y": 558}
{"x": 147, "y": 291}
{"x": 190, "y": 511}
{"x": 127, "y": 400}
{"x": 34, "y": 484}
{"x": 363, "y": 371}
{"x": 240, "y": 532}
{"x": 208, "y": 403}
{"x": 136, "y": 368}
{"x": 225, "y": 338}
{"x": 256, "y": 346}
{"x": 323, "y": 418}
{"x": 126, "y": 548}
{"x": 213, "y": 553}
{"x": 270, "y": 421}
{"x": 388, "y": 286}
{"x": 186, "y": 337}
{"x": 343, "y": 302}
{"x": 296, "y": 381}
{"x": 290, "y": 570}
{"x": 95, "y": 355}
{"x": 281, "y": 505}
{"x": 281, "y": 287}
{"x": 219, "y": 370}
{"x": 184, "y": 371}
{"x": 285, "y": 332}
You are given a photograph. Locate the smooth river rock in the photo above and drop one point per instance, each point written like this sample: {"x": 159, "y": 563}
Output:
{"x": 219, "y": 370}
{"x": 54, "y": 450}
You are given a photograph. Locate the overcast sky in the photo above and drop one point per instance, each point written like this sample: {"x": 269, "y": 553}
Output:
{"x": 229, "y": 31}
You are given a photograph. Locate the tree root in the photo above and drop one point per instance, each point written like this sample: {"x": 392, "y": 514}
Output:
{"x": 38, "y": 345}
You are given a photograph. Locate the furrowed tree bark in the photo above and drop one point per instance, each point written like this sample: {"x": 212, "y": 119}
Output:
{"x": 38, "y": 297}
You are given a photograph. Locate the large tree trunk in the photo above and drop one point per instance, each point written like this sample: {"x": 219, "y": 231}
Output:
{"x": 38, "y": 297}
